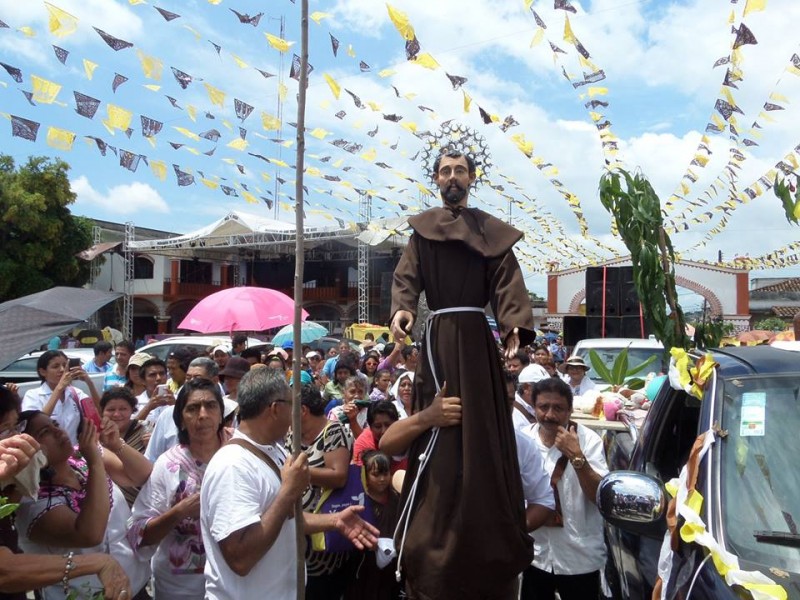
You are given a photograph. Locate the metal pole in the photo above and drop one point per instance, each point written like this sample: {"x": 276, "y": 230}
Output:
{"x": 127, "y": 307}
{"x": 299, "y": 254}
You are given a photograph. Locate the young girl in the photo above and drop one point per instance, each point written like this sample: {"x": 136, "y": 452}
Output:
{"x": 380, "y": 385}
{"x": 367, "y": 581}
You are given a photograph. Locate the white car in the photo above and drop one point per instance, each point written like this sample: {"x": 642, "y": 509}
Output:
{"x": 162, "y": 348}
{"x": 639, "y": 350}
{"x": 23, "y": 371}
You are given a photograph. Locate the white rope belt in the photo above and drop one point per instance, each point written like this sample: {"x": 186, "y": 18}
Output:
{"x": 424, "y": 458}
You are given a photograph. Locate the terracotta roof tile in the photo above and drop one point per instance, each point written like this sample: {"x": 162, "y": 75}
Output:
{"x": 790, "y": 285}
{"x": 785, "y": 312}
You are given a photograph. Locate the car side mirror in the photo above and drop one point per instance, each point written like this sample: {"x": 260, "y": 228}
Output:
{"x": 634, "y": 502}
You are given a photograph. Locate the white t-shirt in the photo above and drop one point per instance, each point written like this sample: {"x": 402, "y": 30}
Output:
{"x": 142, "y": 400}
{"x": 577, "y": 547}
{"x": 238, "y": 488}
{"x": 66, "y": 412}
{"x": 517, "y": 418}
{"x": 535, "y": 479}
{"x": 164, "y": 436}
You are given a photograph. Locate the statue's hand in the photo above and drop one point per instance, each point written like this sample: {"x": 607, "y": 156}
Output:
{"x": 402, "y": 322}
{"x": 512, "y": 343}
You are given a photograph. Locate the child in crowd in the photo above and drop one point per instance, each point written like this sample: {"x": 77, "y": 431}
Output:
{"x": 367, "y": 581}
{"x": 381, "y": 383}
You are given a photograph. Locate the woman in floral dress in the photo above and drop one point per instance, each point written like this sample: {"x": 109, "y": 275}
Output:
{"x": 165, "y": 522}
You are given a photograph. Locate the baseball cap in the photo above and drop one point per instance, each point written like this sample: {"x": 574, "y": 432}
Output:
{"x": 138, "y": 359}
{"x": 532, "y": 373}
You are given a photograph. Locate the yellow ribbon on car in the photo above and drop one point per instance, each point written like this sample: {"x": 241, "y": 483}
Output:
{"x": 688, "y": 505}
{"x": 687, "y": 377}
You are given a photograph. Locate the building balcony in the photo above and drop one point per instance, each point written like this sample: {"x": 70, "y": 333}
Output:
{"x": 333, "y": 294}
{"x": 191, "y": 290}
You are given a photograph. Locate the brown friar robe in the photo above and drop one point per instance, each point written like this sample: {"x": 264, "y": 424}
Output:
{"x": 467, "y": 534}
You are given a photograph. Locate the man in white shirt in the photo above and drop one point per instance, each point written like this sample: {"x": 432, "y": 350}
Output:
{"x": 569, "y": 550}
{"x": 247, "y": 504}
{"x": 522, "y": 414}
{"x": 151, "y": 402}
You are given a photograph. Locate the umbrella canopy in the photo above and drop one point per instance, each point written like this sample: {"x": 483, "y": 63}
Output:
{"x": 28, "y": 322}
{"x": 783, "y": 336}
{"x": 309, "y": 332}
{"x": 754, "y": 336}
{"x": 241, "y": 309}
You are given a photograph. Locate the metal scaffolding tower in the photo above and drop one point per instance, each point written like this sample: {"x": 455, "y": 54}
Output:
{"x": 127, "y": 310}
{"x": 94, "y": 269}
{"x": 364, "y": 217}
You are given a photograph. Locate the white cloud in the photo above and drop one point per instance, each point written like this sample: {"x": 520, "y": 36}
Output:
{"x": 113, "y": 17}
{"x": 127, "y": 199}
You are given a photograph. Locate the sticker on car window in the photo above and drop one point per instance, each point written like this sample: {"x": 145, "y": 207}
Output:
{"x": 753, "y": 414}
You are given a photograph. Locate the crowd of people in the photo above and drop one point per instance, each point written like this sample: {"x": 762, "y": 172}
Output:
{"x": 175, "y": 480}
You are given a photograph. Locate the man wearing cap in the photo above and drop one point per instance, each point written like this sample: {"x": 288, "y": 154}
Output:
{"x": 221, "y": 354}
{"x": 232, "y": 374}
{"x": 523, "y": 413}
{"x": 575, "y": 375}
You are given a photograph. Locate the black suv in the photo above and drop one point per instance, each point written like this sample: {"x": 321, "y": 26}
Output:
{"x": 749, "y": 479}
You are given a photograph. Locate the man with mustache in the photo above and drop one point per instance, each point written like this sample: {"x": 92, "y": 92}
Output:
{"x": 466, "y": 535}
{"x": 569, "y": 550}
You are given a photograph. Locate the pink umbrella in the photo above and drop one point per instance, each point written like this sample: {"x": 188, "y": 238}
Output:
{"x": 241, "y": 309}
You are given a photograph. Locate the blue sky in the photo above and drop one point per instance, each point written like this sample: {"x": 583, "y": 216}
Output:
{"x": 660, "y": 84}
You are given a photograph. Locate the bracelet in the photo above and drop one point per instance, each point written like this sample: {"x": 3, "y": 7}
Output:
{"x": 69, "y": 566}
{"x": 119, "y": 450}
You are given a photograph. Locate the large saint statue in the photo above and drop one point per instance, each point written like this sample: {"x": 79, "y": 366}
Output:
{"x": 466, "y": 535}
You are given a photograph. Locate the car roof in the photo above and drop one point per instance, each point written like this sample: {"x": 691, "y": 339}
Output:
{"x": 619, "y": 343}
{"x": 203, "y": 340}
{"x": 756, "y": 360}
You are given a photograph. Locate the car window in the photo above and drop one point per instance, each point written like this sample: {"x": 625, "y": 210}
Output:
{"x": 674, "y": 434}
{"x": 23, "y": 364}
{"x": 759, "y": 471}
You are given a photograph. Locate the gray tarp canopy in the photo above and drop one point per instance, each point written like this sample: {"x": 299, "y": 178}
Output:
{"x": 30, "y": 321}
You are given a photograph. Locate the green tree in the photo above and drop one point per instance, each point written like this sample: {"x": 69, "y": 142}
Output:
{"x": 39, "y": 236}
{"x": 771, "y": 324}
{"x": 636, "y": 209}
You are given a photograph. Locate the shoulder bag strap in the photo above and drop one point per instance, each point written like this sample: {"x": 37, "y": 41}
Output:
{"x": 258, "y": 453}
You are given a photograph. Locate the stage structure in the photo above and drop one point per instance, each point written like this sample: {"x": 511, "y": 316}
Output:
{"x": 239, "y": 236}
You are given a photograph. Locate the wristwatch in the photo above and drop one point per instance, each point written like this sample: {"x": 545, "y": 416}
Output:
{"x": 578, "y": 462}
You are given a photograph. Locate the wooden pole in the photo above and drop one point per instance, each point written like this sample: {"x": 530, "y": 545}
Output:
{"x": 299, "y": 256}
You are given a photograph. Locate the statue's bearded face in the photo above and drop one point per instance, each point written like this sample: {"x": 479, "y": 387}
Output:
{"x": 454, "y": 179}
